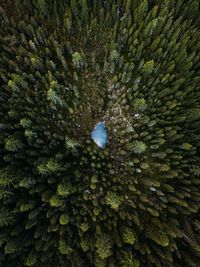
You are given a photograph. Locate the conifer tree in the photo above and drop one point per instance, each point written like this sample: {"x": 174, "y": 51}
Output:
{"x": 64, "y": 67}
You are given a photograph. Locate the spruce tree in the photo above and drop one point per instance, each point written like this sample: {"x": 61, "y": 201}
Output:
{"x": 65, "y": 66}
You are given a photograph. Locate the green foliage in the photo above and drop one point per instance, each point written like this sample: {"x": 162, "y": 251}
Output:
{"x": 148, "y": 67}
{"x": 84, "y": 227}
{"x": 77, "y": 60}
{"x": 149, "y": 30}
{"x": 26, "y": 123}
{"x": 114, "y": 56}
{"x": 64, "y": 219}
{"x": 128, "y": 236}
{"x": 158, "y": 236}
{"x": 64, "y": 67}
{"x": 49, "y": 166}
{"x": 71, "y": 144}
{"x": 64, "y": 248}
{"x": 140, "y": 104}
{"x": 52, "y": 95}
{"x": 13, "y": 144}
{"x": 142, "y": 9}
{"x": 196, "y": 170}
{"x": 103, "y": 245}
{"x": 10, "y": 247}
{"x": 113, "y": 200}
{"x": 42, "y": 6}
{"x": 138, "y": 147}
{"x": 31, "y": 260}
{"x": 68, "y": 19}
{"x": 17, "y": 83}
{"x": 186, "y": 146}
{"x": 65, "y": 189}
{"x": 55, "y": 201}
{"x": 194, "y": 114}
{"x": 129, "y": 261}
{"x": 26, "y": 206}
{"x": 6, "y": 217}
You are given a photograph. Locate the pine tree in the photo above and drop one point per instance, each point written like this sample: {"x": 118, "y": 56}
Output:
{"x": 64, "y": 67}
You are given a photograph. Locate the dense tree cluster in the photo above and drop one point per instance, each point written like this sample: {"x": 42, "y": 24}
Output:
{"x": 66, "y": 65}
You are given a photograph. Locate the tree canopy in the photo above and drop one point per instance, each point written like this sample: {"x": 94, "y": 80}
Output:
{"x": 64, "y": 67}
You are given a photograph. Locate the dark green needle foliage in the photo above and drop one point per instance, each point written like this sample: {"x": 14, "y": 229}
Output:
{"x": 65, "y": 66}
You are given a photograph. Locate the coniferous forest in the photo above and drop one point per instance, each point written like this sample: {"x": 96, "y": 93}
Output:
{"x": 66, "y": 65}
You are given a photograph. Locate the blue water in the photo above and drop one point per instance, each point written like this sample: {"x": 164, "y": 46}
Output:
{"x": 99, "y": 134}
